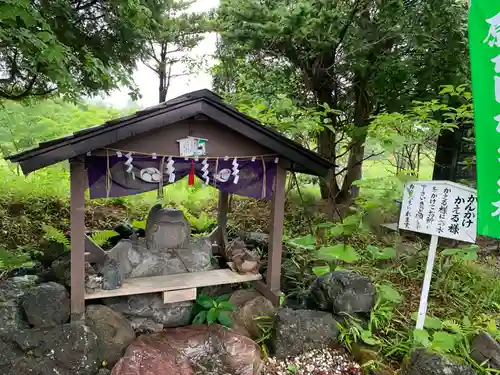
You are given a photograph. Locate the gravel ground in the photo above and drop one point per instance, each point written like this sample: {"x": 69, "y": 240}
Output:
{"x": 316, "y": 362}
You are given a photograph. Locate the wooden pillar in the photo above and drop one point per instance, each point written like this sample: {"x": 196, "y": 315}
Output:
{"x": 271, "y": 289}
{"x": 222, "y": 219}
{"x": 77, "y": 181}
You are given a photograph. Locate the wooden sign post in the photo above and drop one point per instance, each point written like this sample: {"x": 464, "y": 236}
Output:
{"x": 441, "y": 209}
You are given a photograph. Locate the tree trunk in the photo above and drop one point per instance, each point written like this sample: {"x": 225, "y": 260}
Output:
{"x": 162, "y": 73}
{"x": 357, "y": 152}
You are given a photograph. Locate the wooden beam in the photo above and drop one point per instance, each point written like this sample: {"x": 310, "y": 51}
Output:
{"x": 77, "y": 182}
{"x": 180, "y": 295}
{"x": 222, "y": 219}
{"x": 276, "y": 231}
{"x": 155, "y": 284}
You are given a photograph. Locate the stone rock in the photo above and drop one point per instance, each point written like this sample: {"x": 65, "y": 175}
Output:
{"x": 61, "y": 268}
{"x": 193, "y": 350}
{"x": 145, "y": 325}
{"x": 63, "y": 350}
{"x": 111, "y": 276}
{"x": 11, "y": 291}
{"x": 245, "y": 314}
{"x": 341, "y": 293}
{"x": 151, "y": 307}
{"x": 255, "y": 239}
{"x": 104, "y": 371}
{"x": 426, "y": 363}
{"x": 167, "y": 229}
{"x": 241, "y": 296}
{"x": 486, "y": 348}
{"x": 299, "y": 331}
{"x": 113, "y": 331}
{"x": 46, "y": 305}
{"x": 136, "y": 260}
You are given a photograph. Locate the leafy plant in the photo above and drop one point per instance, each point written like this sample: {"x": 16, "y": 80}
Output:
{"x": 101, "y": 237}
{"x": 462, "y": 254}
{"x": 339, "y": 252}
{"x": 214, "y": 311}
{"x": 201, "y": 223}
{"x": 265, "y": 324}
{"x": 378, "y": 253}
{"x": 56, "y": 235}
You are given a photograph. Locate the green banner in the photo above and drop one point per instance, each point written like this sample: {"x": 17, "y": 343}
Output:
{"x": 484, "y": 39}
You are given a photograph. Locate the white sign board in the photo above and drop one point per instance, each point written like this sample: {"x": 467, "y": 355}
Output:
{"x": 192, "y": 146}
{"x": 440, "y": 208}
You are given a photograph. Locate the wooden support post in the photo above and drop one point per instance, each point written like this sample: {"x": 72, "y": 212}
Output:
{"x": 77, "y": 181}
{"x": 222, "y": 219}
{"x": 275, "y": 237}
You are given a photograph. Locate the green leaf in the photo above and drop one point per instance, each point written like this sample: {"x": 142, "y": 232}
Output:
{"x": 306, "y": 241}
{"x": 381, "y": 254}
{"x": 227, "y": 306}
{"x": 368, "y": 339}
{"x": 100, "y": 238}
{"x": 325, "y": 225}
{"x": 443, "y": 341}
{"x": 139, "y": 224}
{"x": 342, "y": 252}
{"x": 421, "y": 338}
{"x": 388, "y": 293}
{"x": 336, "y": 231}
{"x": 223, "y": 298}
{"x": 212, "y": 315}
{"x": 450, "y": 251}
{"x": 429, "y": 322}
{"x": 200, "y": 317}
{"x": 224, "y": 318}
{"x": 205, "y": 301}
{"x": 321, "y": 270}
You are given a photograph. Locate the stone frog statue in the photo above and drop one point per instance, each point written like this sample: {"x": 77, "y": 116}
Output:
{"x": 167, "y": 228}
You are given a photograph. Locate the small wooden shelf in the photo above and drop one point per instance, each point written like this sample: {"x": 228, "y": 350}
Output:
{"x": 144, "y": 285}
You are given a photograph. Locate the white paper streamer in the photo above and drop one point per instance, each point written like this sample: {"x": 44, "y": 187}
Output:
{"x": 236, "y": 171}
{"x": 226, "y": 158}
{"x": 119, "y": 154}
{"x": 170, "y": 170}
{"x": 253, "y": 158}
{"x": 128, "y": 163}
{"x": 89, "y": 153}
{"x": 153, "y": 155}
{"x": 205, "y": 171}
{"x": 276, "y": 160}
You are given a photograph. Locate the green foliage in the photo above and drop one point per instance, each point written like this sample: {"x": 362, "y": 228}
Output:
{"x": 92, "y": 46}
{"x": 101, "y": 237}
{"x": 175, "y": 33}
{"x": 214, "y": 311}
{"x": 266, "y": 325}
{"x": 378, "y": 253}
{"x": 56, "y": 235}
{"x": 202, "y": 223}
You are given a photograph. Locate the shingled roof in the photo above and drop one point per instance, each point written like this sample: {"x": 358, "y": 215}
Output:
{"x": 202, "y": 102}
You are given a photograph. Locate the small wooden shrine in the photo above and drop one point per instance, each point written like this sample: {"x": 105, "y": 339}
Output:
{"x": 193, "y": 135}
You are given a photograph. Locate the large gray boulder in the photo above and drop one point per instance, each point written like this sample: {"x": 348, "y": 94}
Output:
{"x": 69, "y": 349}
{"x": 167, "y": 229}
{"x": 136, "y": 260}
{"x": 342, "y": 293}
{"x": 11, "y": 291}
{"x": 113, "y": 331}
{"x": 426, "y": 363}
{"x": 148, "y": 312}
{"x": 299, "y": 331}
{"x": 486, "y": 349}
{"x": 46, "y": 305}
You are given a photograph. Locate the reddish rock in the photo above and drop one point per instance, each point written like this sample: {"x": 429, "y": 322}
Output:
{"x": 192, "y": 350}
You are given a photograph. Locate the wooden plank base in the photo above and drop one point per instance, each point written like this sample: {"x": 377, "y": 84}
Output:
{"x": 180, "y": 295}
{"x": 144, "y": 285}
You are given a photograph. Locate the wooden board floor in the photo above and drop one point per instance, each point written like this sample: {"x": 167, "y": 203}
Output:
{"x": 155, "y": 284}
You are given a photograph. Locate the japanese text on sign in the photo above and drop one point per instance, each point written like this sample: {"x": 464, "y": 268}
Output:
{"x": 440, "y": 208}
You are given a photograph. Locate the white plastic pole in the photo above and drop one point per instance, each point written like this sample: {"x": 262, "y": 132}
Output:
{"x": 422, "y": 309}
